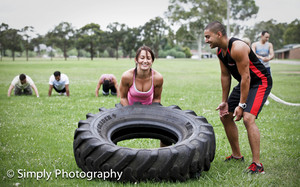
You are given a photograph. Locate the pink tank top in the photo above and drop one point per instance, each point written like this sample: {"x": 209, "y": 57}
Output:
{"x": 134, "y": 95}
{"x": 107, "y": 76}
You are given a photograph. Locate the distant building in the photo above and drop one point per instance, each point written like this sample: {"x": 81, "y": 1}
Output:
{"x": 291, "y": 51}
{"x": 204, "y": 54}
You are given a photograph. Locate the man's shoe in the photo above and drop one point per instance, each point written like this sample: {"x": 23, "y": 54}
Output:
{"x": 254, "y": 168}
{"x": 234, "y": 158}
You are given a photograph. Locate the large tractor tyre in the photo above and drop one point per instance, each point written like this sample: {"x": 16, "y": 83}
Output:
{"x": 190, "y": 137}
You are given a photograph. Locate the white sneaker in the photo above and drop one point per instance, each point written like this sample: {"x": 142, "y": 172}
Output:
{"x": 267, "y": 102}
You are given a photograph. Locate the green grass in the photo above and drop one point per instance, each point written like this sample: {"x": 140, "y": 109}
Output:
{"x": 37, "y": 133}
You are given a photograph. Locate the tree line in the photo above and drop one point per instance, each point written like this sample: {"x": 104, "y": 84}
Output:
{"x": 191, "y": 16}
{"x": 91, "y": 40}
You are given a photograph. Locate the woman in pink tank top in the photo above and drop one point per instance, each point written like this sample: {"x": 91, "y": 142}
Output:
{"x": 141, "y": 84}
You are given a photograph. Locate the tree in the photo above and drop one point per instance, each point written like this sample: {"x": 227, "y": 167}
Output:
{"x": 61, "y": 36}
{"x": 116, "y": 35}
{"x": 50, "y": 39}
{"x": 171, "y": 38}
{"x": 194, "y": 15}
{"x": 35, "y": 42}
{"x": 78, "y": 42}
{"x": 27, "y": 32}
{"x": 184, "y": 38}
{"x": 153, "y": 32}
{"x": 89, "y": 37}
{"x": 105, "y": 44}
{"x": 3, "y": 40}
{"x": 13, "y": 41}
{"x": 131, "y": 41}
{"x": 292, "y": 33}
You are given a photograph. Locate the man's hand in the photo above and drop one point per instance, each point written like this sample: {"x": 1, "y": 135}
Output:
{"x": 223, "y": 109}
{"x": 238, "y": 113}
{"x": 265, "y": 59}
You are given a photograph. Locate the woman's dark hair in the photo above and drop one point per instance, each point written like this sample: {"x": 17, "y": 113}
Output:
{"x": 146, "y": 48}
{"x": 138, "y": 52}
{"x": 106, "y": 83}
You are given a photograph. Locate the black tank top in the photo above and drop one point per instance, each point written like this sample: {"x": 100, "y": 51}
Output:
{"x": 258, "y": 71}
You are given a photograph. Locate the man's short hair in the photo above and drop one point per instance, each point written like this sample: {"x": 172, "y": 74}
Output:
{"x": 264, "y": 32}
{"x": 22, "y": 77}
{"x": 57, "y": 73}
{"x": 215, "y": 27}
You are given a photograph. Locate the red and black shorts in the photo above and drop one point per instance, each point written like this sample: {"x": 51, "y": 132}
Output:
{"x": 257, "y": 96}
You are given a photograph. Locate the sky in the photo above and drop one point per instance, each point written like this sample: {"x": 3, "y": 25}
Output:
{"x": 44, "y": 15}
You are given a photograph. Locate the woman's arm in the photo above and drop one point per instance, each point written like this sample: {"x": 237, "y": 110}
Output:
{"x": 158, "y": 87}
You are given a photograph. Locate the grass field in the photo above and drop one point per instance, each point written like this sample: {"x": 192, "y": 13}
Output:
{"x": 36, "y": 134}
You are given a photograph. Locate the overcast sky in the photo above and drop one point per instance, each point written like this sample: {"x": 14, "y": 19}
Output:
{"x": 44, "y": 15}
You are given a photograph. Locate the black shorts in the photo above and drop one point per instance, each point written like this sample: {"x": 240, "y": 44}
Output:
{"x": 256, "y": 99}
{"x": 107, "y": 86}
{"x": 59, "y": 91}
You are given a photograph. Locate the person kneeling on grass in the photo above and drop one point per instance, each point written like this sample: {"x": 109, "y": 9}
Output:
{"x": 22, "y": 84}
{"x": 60, "y": 83}
{"x": 109, "y": 82}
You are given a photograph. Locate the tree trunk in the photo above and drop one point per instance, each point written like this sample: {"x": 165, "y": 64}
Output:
{"x": 78, "y": 53}
{"x": 65, "y": 52}
{"x": 51, "y": 53}
{"x": 26, "y": 54}
{"x": 13, "y": 55}
{"x": 228, "y": 16}
{"x": 117, "y": 52}
{"x": 92, "y": 51}
{"x": 199, "y": 42}
{"x": 156, "y": 52}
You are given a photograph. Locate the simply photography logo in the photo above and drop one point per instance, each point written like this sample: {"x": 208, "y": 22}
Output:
{"x": 61, "y": 173}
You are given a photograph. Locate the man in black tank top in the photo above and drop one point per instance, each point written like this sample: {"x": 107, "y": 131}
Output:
{"x": 247, "y": 98}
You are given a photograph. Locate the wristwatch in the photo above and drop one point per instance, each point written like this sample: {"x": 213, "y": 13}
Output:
{"x": 243, "y": 105}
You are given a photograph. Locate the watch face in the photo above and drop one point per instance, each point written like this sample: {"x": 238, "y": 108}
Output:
{"x": 243, "y": 105}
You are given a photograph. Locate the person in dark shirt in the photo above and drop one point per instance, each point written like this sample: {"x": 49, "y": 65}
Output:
{"x": 247, "y": 98}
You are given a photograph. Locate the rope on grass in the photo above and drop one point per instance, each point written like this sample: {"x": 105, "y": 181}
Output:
{"x": 277, "y": 99}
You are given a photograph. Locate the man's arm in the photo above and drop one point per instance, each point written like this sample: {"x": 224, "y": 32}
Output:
{"x": 124, "y": 88}
{"x": 271, "y": 50}
{"x": 253, "y": 47}
{"x": 50, "y": 90}
{"x": 225, "y": 83}
{"x": 67, "y": 90}
{"x": 35, "y": 90}
{"x": 240, "y": 53}
{"x": 11, "y": 87}
{"x": 116, "y": 86}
